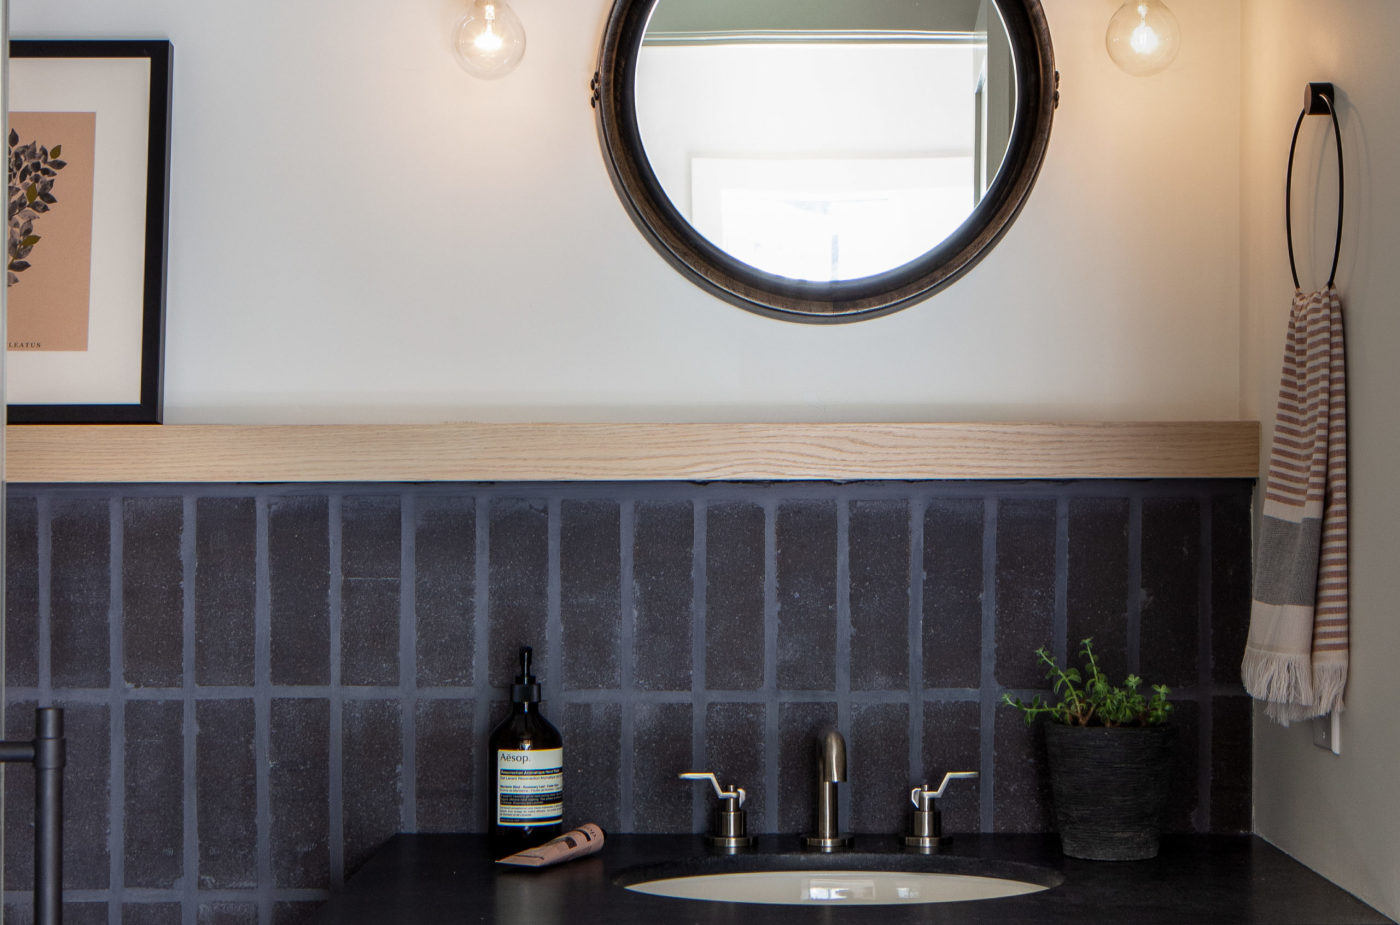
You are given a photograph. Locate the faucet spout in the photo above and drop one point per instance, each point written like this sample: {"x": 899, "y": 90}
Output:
{"x": 831, "y": 767}
{"x": 831, "y": 770}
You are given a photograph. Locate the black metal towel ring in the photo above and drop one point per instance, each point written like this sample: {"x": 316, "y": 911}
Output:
{"x": 1318, "y": 99}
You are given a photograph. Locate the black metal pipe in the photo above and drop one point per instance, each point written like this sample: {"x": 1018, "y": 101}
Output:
{"x": 48, "y": 753}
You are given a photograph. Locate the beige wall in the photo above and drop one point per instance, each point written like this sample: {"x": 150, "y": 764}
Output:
{"x": 362, "y": 232}
{"x": 1339, "y": 815}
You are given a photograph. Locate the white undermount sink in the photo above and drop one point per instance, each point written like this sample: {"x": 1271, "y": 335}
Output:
{"x": 836, "y": 887}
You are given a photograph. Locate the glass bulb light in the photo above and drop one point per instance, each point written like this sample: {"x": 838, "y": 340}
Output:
{"x": 489, "y": 40}
{"x": 1143, "y": 37}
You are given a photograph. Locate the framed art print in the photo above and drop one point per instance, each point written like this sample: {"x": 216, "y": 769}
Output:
{"x": 89, "y": 149}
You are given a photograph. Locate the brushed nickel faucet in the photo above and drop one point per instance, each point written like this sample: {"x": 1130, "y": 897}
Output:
{"x": 831, "y": 770}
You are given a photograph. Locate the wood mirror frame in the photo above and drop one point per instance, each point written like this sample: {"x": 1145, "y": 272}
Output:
{"x": 711, "y": 268}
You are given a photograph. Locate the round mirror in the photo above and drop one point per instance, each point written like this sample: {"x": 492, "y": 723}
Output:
{"x": 825, "y": 160}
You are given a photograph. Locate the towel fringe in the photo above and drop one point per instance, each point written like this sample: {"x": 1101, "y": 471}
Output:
{"x": 1329, "y": 683}
{"x": 1277, "y": 678}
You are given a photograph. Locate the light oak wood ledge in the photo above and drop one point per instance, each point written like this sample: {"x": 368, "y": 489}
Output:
{"x": 627, "y": 452}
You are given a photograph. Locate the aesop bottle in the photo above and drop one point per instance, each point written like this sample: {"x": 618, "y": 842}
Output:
{"x": 527, "y": 771}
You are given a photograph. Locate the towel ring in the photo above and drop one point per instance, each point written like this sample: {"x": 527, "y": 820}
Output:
{"x": 1316, "y": 97}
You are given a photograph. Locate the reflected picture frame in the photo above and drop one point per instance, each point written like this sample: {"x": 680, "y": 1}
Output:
{"x": 105, "y": 362}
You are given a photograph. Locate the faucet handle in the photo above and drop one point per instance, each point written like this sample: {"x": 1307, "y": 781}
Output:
{"x": 734, "y": 793}
{"x": 730, "y": 831}
{"x": 927, "y": 829}
{"x": 922, "y": 797}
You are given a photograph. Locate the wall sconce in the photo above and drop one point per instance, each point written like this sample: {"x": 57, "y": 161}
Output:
{"x": 489, "y": 40}
{"x": 1143, "y": 37}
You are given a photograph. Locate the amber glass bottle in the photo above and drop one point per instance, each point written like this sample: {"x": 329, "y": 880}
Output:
{"x": 527, "y": 771}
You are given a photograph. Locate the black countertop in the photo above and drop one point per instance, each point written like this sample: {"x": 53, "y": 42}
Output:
{"x": 1196, "y": 880}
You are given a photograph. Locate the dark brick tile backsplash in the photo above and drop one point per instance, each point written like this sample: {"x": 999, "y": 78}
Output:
{"x": 263, "y": 683}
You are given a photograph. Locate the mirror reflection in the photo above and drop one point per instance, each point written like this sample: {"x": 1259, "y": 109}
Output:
{"x": 825, "y": 140}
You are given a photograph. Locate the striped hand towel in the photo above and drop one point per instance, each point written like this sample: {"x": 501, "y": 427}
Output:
{"x": 1296, "y": 658}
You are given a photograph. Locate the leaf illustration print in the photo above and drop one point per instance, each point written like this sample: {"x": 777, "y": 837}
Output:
{"x": 33, "y": 171}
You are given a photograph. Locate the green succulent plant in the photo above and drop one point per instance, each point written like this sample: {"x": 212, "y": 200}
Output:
{"x": 1088, "y": 698}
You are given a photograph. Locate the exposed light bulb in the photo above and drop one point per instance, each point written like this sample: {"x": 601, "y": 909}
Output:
{"x": 1143, "y": 37}
{"x": 489, "y": 40}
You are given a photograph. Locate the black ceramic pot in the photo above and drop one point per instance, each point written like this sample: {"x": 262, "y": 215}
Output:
{"x": 1109, "y": 787}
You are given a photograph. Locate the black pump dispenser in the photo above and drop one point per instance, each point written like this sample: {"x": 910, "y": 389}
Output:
{"x": 527, "y": 770}
{"x": 525, "y": 689}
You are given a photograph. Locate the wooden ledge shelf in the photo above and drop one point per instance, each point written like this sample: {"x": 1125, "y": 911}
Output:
{"x": 628, "y": 452}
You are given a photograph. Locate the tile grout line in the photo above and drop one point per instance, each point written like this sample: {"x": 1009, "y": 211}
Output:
{"x": 1134, "y": 629}
{"x": 262, "y": 706}
{"x": 43, "y": 512}
{"x": 699, "y": 602}
{"x": 772, "y": 725}
{"x": 335, "y": 764}
{"x": 987, "y": 691}
{"x": 480, "y": 685}
{"x": 844, "y": 628}
{"x": 627, "y": 537}
{"x": 116, "y": 749}
{"x": 188, "y": 553}
{"x": 1059, "y": 627}
{"x": 1205, "y": 673}
{"x": 917, "y": 513}
{"x": 408, "y": 661}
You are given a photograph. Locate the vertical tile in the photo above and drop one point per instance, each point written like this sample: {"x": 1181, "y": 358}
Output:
{"x": 370, "y": 540}
{"x": 445, "y": 589}
{"x": 879, "y": 564}
{"x": 80, "y": 592}
{"x": 593, "y": 764}
{"x": 226, "y": 794}
{"x": 1025, "y": 588}
{"x": 663, "y": 594}
{"x": 1231, "y": 751}
{"x": 299, "y": 792}
{"x": 1097, "y": 583}
{"x": 369, "y": 632}
{"x": 590, "y": 600}
{"x": 1171, "y": 550}
{"x": 86, "y": 796}
{"x": 227, "y": 913}
{"x": 150, "y": 913}
{"x": 806, "y": 536}
{"x": 370, "y": 561}
{"x": 1230, "y": 582}
{"x": 734, "y": 577}
{"x": 953, "y": 742}
{"x": 21, "y": 623}
{"x": 1021, "y": 792}
{"x": 371, "y": 777}
{"x": 19, "y": 800}
{"x": 1183, "y": 791}
{"x": 152, "y": 595}
{"x": 446, "y": 758}
{"x": 298, "y": 531}
{"x": 799, "y": 727}
{"x": 878, "y": 768}
{"x": 224, "y": 590}
{"x": 736, "y": 752}
{"x": 154, "y": 799}
{"x": 952, "y": 590}
{"x": 661, "y": 751}
{"x": 517, "y": 599}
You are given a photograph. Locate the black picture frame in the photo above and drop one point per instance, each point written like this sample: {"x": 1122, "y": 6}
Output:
{"x": 149, "y": 408}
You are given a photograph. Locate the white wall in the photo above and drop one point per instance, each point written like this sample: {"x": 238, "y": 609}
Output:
{"x": 362, "y": 232}
{"x": 1340, "y": 815}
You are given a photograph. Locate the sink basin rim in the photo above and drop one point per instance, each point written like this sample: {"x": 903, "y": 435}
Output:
{"x": 1035, "y": 877}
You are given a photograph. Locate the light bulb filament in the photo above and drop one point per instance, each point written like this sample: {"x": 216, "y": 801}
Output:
{"x": 1145, "y": 40}
{"x": 488, "y": 40}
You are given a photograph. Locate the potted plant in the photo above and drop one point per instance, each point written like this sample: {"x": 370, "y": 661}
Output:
{"x": 1110, "y": 758}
